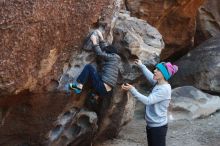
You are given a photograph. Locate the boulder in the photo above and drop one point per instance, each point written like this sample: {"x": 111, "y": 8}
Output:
{"x": 191, "y": 103}
{"x": 175, "y": 20}
{"x": 27, "y": 118}
{"x": 135, "y": 38}
{"x": 74, "y": 127}
{"x": 39, "y": 37}
{"x": 44, "y": 54}
{"x": 200, "y": 67}
{"x": 207, "y": 22}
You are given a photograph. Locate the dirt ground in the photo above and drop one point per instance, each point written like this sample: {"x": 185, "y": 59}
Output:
{"x": 199, "y": 132}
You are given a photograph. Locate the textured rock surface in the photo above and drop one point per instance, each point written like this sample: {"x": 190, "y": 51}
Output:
{"x": 28, "y": 118}
{"x": 119, "y": 112}
{"x": 39, "y": 37}
{"x": 175, "y": 20}
{"x": 127, "y": 37}
{"x": 200, "y": 67}
{"x": 191, "y": 103}
{"x": 208, "y": 20}
{"x": 74, "y": 127}
{"x": 135, "y": 38}
{"x": 46, "y": 56}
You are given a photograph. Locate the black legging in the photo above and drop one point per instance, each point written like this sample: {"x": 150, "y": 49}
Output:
{"x": 156, "y": 136}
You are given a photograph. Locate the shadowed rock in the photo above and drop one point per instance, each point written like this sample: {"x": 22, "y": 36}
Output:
{"x": 27, "y": 118}
{"x": 78, "y": 130}
{"x": 200, "y": 67}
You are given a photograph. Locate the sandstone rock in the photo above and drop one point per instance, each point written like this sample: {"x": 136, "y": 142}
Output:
{"x": 27, "y": 118}
{"x": 40, "y": 40}
{"x": 39, "y": 37}
{"x": 191, "y": 103}
{"x": 200, "y": 67}
{"x": 48, "y": 41}
{"x": 207, "y": 21}
{"x": 175, "y": 20}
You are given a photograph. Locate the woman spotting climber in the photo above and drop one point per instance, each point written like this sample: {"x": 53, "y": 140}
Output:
{"x": 106, "y": 79}
{"x": 157, "y": 102}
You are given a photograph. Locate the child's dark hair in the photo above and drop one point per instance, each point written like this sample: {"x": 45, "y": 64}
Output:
{"x": 111, "y": 49}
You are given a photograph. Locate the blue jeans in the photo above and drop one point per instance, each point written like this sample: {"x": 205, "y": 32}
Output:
{"x": 89, "y": 73}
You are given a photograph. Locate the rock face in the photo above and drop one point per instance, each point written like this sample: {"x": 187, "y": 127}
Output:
{"x": 74, "y": 127}
{"x": 135, "y": 38}
{"x": 51, "y": 58}
{"x": 175, "y": 20}
{"x": 191, "y": 103}
{"x": 200, "y": 67}
{"x": 208, "y": 21}
{"x": 39, "y": 37}
{"x": 27, "y": 118}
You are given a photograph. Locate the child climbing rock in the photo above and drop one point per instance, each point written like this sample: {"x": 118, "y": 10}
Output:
{"x": 106, "y": 79}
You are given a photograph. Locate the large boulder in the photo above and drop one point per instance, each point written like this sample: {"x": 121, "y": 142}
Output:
{"x": 207, "y": 23}
{"x": 39, "y": 37}
{"x": 175, "y": 20}
{"x": 56, "y": 71}
{"x": 133, "y": 38}
{"x": 200, "y": 67}
{"x": 191, "y": 103}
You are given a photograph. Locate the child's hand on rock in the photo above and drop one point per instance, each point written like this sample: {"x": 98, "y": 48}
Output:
{"x": 100, "y": 34}
{"x": 94, "y": 39}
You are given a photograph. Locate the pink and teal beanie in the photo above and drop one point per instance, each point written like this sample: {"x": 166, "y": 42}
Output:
{"x": 167, "y": 69}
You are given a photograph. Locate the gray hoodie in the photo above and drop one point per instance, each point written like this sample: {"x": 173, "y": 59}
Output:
{"x": 157, "y": 102}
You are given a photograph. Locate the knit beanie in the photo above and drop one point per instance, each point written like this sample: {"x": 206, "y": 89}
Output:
{"x": 167, "y": 69}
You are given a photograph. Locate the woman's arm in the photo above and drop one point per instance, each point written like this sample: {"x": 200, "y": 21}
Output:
{"x": 147, "y": 73}
{"x": 154, "y": 97}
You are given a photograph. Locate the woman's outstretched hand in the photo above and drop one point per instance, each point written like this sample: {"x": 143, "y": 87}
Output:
{"x": 138, "y": 62}
{"x": 126, "y": 86}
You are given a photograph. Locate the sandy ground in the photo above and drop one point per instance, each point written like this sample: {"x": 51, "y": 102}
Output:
{"x": 199, "y": 132}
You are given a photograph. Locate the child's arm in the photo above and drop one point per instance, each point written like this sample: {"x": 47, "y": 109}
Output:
{"x": 98, "y": 50}
{"x": 102, "y": 43}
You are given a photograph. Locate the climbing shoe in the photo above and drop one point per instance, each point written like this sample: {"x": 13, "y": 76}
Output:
{"x": 73, "y": 86}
